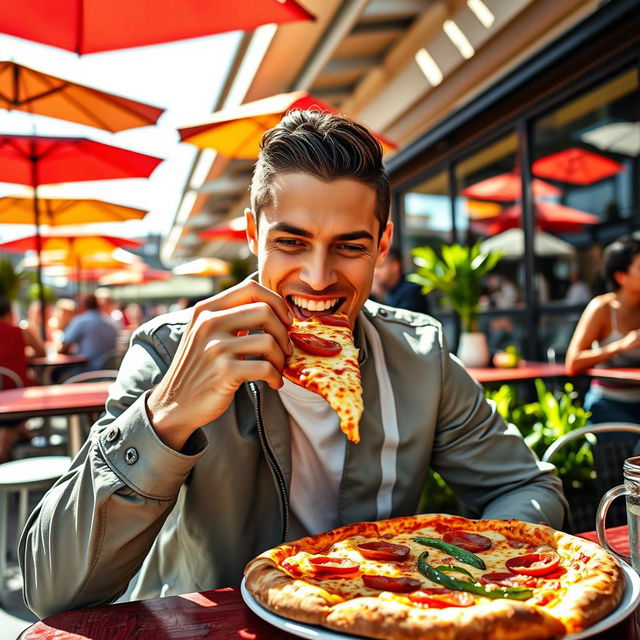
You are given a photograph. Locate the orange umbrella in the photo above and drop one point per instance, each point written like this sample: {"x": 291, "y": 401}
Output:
{"x": 237, "y": 132}
{"x": 55, "y": 212}
{"x": 72, "y": 247}
{"x": 210, "y": 267}
{"x": 507, "y": 187}
{"x": 233, "y": 231}
{"x": 550, "y": 216}
{"x": 87, "y": 26}
{"x": 577, "y": 166}
{"x": 26, "y": 89}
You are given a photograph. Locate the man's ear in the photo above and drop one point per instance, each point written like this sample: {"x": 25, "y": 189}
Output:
{"x": 385, "y": 244}
{"x": 252, "y": 231}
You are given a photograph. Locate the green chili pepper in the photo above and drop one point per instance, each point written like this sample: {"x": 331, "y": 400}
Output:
{"x": 457, "y": 552}
{"x": 450, "y": 567}
{"x": 511, "y": 593}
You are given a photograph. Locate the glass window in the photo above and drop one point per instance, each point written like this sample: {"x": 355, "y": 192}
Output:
{"x": 588, "y": 150}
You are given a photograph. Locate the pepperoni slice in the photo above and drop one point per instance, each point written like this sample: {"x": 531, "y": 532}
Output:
{"x": 384, "y": 551}
{"x": 440, "y": 598}
{"x": 473, "y": 542}
{"x": 387, "y": 583}
{"x": 335, "y": 321}
{"x": 534, "y": 564}
{"x": 508, "y": 579}
{"x": 334, "y": 565}
{"x": 315, "y": 345}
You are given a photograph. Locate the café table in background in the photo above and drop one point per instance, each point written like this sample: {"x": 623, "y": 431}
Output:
{"x": 72, "y": 400}
{"x": 525, "y": 370}
{"x": 621, "y": 374}
{"x": 220, "y": 613}
{"x": 44, "y": 365}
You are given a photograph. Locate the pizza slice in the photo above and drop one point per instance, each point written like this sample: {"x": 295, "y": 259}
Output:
{"x": 325, "y": 361}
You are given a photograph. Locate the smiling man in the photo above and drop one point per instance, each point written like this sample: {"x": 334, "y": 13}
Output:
{"x": 206, "y": 456}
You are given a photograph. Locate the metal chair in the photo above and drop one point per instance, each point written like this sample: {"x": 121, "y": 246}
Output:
{"x": 5, "y": 372}
{"x": 93, "y": 376}
{"x": 609, "y": 452}
{"x": 111, "y": 359}
{"x": 22, "y": 476}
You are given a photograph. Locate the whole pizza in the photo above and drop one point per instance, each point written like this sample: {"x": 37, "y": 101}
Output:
{"x": 440, "y": 577}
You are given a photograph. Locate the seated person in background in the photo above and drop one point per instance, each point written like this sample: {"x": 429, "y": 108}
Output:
{"x": 16, "y": 345}
{"x": 392, "y": 288}
{"x": 608, "y": 335}
{"x": 201, "y": 425}
{"x": 63, "y": 312}
{"x": 92, "y": 333}
{"x": 108, "y": 306}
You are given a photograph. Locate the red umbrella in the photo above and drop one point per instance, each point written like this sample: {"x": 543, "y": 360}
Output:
{"x": 507, "y": 187}
{"x": 233, "y": 231}
{"x": 36, "y": 160}
{"x": 550, "y": 216}
{"x": 577, "y": 166}
{"x": 88, "y": 26}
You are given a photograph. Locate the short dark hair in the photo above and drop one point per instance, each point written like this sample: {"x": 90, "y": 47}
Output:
{"x": 89, "y": 301}
{"x": 5, "y": 306}
{"x": 618, "y": 256}
{"x": 326, "y": 146}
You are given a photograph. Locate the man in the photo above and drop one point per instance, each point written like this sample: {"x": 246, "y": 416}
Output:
{"x": 205, "y": 458}
{"x": 92, "y": 333}
{"x": 391, "y": 287}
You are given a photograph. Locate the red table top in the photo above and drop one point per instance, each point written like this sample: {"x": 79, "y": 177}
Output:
{"x": 209, "y": 614}
{"x": 524, "y": 371}
{"x": 56, "y": 360}
{"x": 628, "y": 374}
{"x": 59, "y": 399}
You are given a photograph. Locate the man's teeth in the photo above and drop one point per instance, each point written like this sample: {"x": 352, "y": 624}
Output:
{"x": 314, "y": 305}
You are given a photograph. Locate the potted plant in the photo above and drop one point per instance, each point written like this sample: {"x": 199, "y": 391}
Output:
{"x": 458, "y": 273}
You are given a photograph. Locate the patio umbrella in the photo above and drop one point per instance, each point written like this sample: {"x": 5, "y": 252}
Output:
{"x": 619, "y": 137}
{"x": 237, "y": 132}
{"x": 234, "y": 230}
{"x": 36, "y": 160}
{"x": 507, "y": 187}
{"x": 88, "y": 26}
{"x": 210, "y": 267}
{"x": 576, "y": 166}
{"x": 550, "y": 216}
{"x": 26, "y": 89}
{"x": 134, "y": 275}
{"x": 511, "y": 244}
{"x": 56, "y": 212}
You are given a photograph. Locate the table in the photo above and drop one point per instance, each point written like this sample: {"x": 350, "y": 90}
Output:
{"x": 207, "y": 615}
{"x": 524, "y": 371}
{"x": 45, "y": 364}
{"x": 71, "y": 400}
{"x": 625, "y": 374}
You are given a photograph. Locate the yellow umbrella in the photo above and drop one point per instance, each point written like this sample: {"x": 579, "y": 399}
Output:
{"x": 56, "y": 212}
{"x": 210, "y": 267}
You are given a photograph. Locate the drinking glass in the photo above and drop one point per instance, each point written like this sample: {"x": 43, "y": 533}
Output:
{"x": 631, "y": 490}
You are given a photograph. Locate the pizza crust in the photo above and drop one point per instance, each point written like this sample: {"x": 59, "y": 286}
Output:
{"x": 595, "y": 594}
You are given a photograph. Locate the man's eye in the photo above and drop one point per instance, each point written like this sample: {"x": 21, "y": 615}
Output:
{"x": 351, "y": 248}
{"x": 289, "y": 243}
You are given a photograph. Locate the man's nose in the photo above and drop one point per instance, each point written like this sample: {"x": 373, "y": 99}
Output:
{"x": 318, "y": 272}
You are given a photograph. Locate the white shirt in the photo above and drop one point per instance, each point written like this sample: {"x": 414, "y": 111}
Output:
{"x": 317, "y": 456}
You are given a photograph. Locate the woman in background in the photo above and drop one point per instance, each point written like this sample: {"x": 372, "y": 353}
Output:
{"x": 608, "y": 335}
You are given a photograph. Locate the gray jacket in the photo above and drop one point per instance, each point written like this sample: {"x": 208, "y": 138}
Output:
{"x": 193, "y": 518}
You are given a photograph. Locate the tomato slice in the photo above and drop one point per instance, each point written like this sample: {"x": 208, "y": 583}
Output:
{"x": 534, "y": 564}
{"x": 335, "y": 321}
{"x": 387, "y": 583}
{"x": 315, "y": 345}
{"x": 507, "y": 579}
{"x": 440, "y": 598}
{"x": 473, "y": 542}
{"x": 384, "y": 551}
{"x": 334, "y": 565}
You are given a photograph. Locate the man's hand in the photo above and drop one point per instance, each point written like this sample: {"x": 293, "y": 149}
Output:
{"x": 210, "y": 363}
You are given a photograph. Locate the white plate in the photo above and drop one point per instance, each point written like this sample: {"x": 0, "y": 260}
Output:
{"x": 630, "y": 600}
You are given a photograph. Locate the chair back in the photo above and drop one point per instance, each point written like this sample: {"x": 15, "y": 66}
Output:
{"x": 92, "y": 376}
{"x": 14, "y": 378}
{"x": 111, "y": 359}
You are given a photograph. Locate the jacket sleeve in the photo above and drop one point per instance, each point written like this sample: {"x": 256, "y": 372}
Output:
{"x": 486, "y": 462}
{"x": 90, "y": 533}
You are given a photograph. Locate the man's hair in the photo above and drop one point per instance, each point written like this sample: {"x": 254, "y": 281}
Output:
{"x": 325, "y": 146}
{"x": 89, "y": 302}
{"x": 5, "y": 306}
{"x": 618, "y": 256}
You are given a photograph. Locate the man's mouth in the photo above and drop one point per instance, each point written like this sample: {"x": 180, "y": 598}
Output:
{"x": 307, "y": 307}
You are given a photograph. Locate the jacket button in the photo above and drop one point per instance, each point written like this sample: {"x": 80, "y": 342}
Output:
{"x": 131, "y": 456}
{"x": 382, "y": 312}
{"x": 112, "y": 434}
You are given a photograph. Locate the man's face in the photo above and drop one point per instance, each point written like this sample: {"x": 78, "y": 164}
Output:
{"x": 317, "y": 244}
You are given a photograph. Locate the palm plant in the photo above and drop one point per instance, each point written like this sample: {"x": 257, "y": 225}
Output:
{"x": 458, "y": 274}
{"x": 11, "y": 280}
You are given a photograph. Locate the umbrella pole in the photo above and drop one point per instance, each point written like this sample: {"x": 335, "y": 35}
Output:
{"x": 36, "y": 212}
